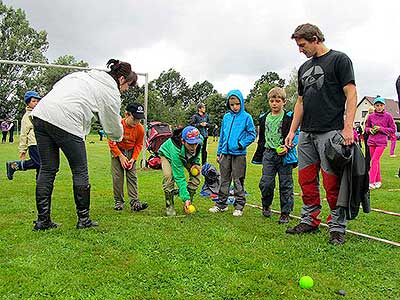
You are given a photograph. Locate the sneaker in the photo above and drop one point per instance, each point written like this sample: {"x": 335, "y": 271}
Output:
{"x": 336, "y": 238}
{"x": 138, "y": 206}
{"x": 393, "y": 155}
{"x": 284, "y": 218}
{"x": 119, "y": 206}
{"x": 11, "y": 167}
{"x": 216, "y": 209}
{"x": 378, "y": 184}
{"x": 237, "y": 213}
{"x": 170, "y": 211}
{"x": 266, "y": 212}
{"x": 302, "y": 228}
{"x": 372, "y": 186}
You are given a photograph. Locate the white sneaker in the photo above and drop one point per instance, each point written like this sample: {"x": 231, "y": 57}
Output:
{"x": 237, "y": 213}
{"x": 393, "y": 155}
{"x": 372, "y": 186}
{"x": 216, "y": 209}
{"x": 378, "y": 184}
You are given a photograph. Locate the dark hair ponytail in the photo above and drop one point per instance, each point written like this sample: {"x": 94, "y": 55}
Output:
{"x": 121, "y": 68}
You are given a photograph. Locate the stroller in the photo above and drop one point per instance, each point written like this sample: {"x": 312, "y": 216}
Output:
{"x": 157, "y": 134}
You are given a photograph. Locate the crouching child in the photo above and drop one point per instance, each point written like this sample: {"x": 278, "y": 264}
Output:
{"x": 180, "y": 152}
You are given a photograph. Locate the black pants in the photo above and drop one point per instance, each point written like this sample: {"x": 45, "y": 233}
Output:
{"x": 50, "y": 139}
{"x": 204, "y": 151}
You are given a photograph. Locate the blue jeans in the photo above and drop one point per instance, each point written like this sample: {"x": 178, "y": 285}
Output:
{"x": 50, "y": 139}
{"x": 272, "y": 165}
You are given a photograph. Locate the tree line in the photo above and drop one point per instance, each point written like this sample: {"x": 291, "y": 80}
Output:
{"x": 171, "y": 99}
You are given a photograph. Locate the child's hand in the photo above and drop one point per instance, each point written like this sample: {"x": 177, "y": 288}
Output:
{"x": 124, "y": 162}
{"x": 22, "y": 156}
{"x": 131, "y": 163}
{"x": 197, "y": 168}
{"x": 219, "y": 158}
{"x": 281, "y": 150}
{"x": 186, "y": 207}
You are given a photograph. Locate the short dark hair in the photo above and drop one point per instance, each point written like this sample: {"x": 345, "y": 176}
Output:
{"x": 308, "y": 32}
{"x": 200, "y": 105}
{"x": 121, "y": 68}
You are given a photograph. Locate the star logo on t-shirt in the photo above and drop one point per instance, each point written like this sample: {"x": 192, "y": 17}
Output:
{"x": 314, "y": 76}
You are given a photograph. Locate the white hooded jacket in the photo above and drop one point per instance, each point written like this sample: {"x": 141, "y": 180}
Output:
{"x": 76, "y": 98}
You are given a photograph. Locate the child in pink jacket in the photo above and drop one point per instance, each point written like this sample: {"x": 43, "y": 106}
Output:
{"x": 379, "y": 125}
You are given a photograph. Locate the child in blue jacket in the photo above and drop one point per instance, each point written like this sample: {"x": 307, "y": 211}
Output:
{"x": 275, "y": 156}
{"x": 237, "y": 133}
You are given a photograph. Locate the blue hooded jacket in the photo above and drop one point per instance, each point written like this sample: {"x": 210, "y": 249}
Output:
{"x": 237, "y": 129}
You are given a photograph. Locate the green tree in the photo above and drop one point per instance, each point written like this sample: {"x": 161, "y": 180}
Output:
{"x": 291, "y": 90}
{"x": 257, "y": 100}
{"x": 201, "y": 91}
{"x": 18, "y": 41}
{"x": 172, "y": 88}
{"x": 216, "y": 108}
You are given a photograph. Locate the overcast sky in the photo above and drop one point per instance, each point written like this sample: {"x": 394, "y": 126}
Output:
{"x": 229, "y": 43}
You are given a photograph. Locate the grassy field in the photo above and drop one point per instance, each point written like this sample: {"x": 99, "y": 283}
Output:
{"x": 203, "y": 256}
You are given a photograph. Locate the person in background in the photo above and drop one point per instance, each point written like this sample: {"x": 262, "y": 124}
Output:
{"x": 379, "y": 125}
{"x": 27, "y": 140}
{"x": 237, "y": 133}
{"x": 124, "y": 155}
{"x": 201, "y": 121}
{"x": 4, "y": 131}
{"x": 11, "y": 129}
{"x": 61, "y": 121}
{"x": 366, "y": 135}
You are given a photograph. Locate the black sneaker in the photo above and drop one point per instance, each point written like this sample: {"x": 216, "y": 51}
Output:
{"x": 138, "y": 206}
{"x": 302, "y": 228}
{"x": 266, "y": 212}
{"x": 119, "y": 206}
{"x": 337, "y": 238}
{"x": 284, "y": 218}
{"x": 11, "y": 167}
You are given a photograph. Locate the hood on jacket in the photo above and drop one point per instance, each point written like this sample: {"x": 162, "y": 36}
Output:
{"x": 239, "y": 95}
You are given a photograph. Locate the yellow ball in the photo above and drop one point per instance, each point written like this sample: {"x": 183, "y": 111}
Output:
{"x": 194, "y": 172}
{"x": 306, "y": 282}
{"x": 191, "y": 209}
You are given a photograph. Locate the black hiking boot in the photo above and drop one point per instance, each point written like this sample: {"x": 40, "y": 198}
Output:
{"x": 82, "y": 202}
{"x": 302, "y": 228}
{"x": 337, "y": 238}
{"x": 45, "y": 225}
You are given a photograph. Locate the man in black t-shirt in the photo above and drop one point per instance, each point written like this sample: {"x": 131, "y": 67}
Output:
{"x": 325, "y": 107}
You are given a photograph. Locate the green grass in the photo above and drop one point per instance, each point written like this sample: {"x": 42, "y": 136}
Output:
{"x": 203, "y": 256}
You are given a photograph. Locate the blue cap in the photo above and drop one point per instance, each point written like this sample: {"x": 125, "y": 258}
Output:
{"x": 191, "y": 135}
{"x": 379, "y": 99}
{"x": 29, "y": 95}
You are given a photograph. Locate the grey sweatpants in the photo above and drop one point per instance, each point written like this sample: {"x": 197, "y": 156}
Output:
{"x": 232, "y": 169}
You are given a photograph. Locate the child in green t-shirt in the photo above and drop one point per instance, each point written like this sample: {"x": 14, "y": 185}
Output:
{"x": 275, "y": 156}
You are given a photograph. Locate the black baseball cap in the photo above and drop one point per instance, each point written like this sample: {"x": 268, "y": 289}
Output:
{"x": 136, "y": 109}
